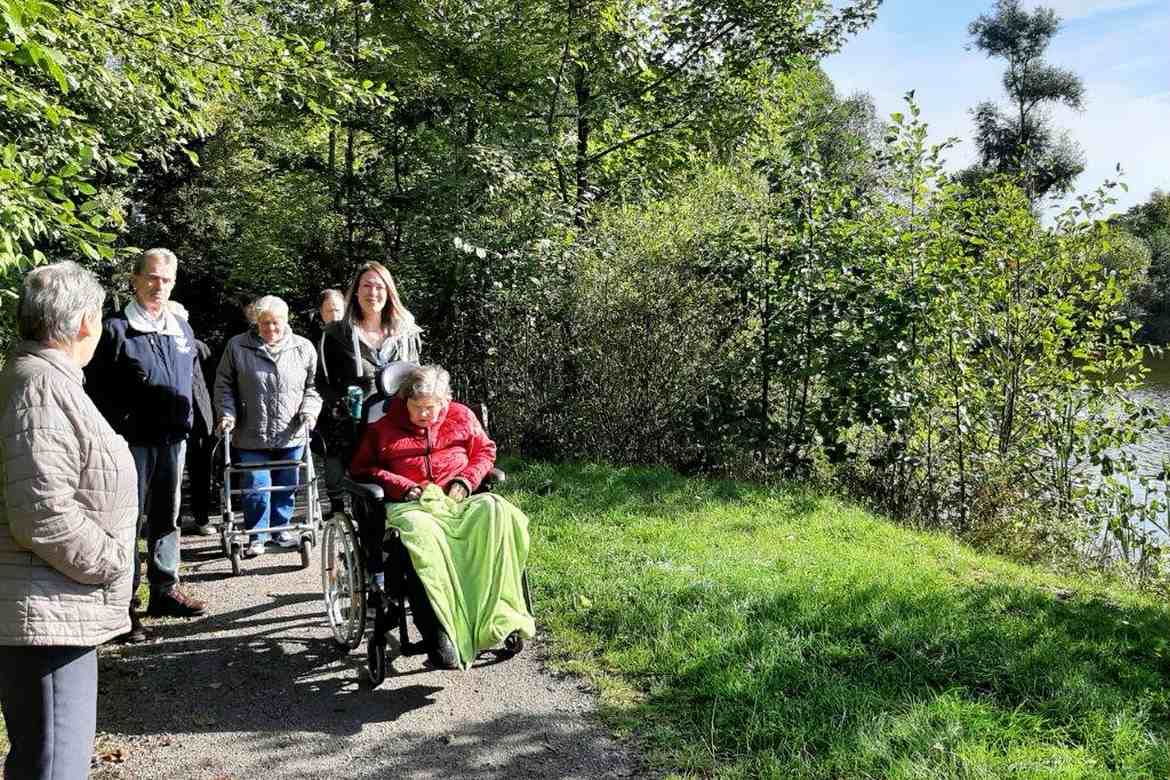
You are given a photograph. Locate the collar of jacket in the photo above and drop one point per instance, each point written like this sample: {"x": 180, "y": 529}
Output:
{"x": 272, "y": 350}
{"x": 54, "y": 357}
{"x": 400, "y": 416}
{"x": 343, "y": 332}
{"x": 140, "y": 320}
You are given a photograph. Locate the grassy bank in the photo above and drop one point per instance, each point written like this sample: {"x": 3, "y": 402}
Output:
{"x": 748, "y": 632}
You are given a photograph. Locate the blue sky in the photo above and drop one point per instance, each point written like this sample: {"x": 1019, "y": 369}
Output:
{"x": 1120, "y": 48}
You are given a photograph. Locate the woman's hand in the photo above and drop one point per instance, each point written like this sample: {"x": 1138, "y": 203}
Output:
{"x": 226, "y": 424}
{"x": 414, "y": 494}
{"x": 457, "y": 491}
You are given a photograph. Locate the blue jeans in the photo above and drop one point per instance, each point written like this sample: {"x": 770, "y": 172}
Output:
{"x": 160, "y": 474}
{"x": 266, "y": 510}
{"x": 49, "y": 698}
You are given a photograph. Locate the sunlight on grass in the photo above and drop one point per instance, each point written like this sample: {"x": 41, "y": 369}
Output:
{"x": 750, "y": 632}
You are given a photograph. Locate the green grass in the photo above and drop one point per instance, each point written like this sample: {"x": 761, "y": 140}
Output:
{"x": 752, "y": 632}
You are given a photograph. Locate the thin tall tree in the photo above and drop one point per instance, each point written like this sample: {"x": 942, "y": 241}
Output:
{"x": 1021, "y": 139}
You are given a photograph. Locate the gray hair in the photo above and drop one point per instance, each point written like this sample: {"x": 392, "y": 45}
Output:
{"x": 165, "y": 255}
{"x": 54, "y": 300}
{"x": 431, "y": 381}
{"x": 270, "y": 304}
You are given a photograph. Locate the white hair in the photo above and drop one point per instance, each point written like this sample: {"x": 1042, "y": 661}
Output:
{"x": 54, "y": 300}
{"x": 270, "y": 304}
{"x": 431, "y": 381}
{"x": 166, "y": 255}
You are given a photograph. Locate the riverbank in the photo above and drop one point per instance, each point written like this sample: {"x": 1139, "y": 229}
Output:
{"x": 745, "y": 632}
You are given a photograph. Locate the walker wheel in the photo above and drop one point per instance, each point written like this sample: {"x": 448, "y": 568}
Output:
{"x": 376, "y": 661}
{"x": 235, "y": 559}
{"x": 306, "y": 552}
{"x": 513, "y": 644}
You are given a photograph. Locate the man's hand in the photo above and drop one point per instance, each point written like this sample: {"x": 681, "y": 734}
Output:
{"x": 457, "y": 491}
{"x": 226, "y": 424}
{"x": 306, "y": 420}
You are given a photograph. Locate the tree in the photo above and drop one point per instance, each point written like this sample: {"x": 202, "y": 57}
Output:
{"x": 1021, "y": 141}
{"x": 1145, "y": 230}
{"x": 92, "y": 90}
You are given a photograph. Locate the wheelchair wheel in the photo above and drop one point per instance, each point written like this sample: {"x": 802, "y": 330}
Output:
{"x": 343, "y": 581}
{"x": 306, "y": 552}
{"x": 376, "y": 661}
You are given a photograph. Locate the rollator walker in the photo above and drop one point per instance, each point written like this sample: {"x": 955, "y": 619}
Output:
{"x": 306, "y": 518}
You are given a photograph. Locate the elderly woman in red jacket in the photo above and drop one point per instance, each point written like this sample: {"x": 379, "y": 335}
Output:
{"x": 430, "y": 454}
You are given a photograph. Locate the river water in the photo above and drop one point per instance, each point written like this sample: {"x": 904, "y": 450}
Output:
{"x": 1155, "y": 392}
{"x": 1155, "y": 445}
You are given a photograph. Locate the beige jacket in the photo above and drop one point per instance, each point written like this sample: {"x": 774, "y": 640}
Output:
{"x": 68, "y": 507}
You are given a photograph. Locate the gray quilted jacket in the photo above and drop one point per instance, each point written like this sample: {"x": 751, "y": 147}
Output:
{"x": 68, "y": 508}
{"x": 267, "y": 389}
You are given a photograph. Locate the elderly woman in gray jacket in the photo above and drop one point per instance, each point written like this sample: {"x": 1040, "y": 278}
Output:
{"x": 68, "y": 512}
{"x": 264, "y": 390}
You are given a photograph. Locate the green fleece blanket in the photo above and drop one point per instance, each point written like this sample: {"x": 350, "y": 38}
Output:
{"x": 470, "y": 556}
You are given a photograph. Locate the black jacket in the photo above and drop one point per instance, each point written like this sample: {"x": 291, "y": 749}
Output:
{"x": 142, "y": 381}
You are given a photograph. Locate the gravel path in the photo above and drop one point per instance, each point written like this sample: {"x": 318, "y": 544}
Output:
{"x": 258, "y": 689}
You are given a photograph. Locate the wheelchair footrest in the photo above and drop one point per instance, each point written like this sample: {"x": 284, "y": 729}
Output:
{"x": 414, "y": 648}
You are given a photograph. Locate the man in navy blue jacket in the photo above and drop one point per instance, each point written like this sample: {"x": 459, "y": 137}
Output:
{"x": 141, "y": 380}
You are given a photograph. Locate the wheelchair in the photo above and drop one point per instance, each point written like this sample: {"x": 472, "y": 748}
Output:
{"x": 345, "y": 584}
{"x": 307, "y": 515}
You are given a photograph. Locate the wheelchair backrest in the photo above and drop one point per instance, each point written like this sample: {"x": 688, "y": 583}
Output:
{"x": 387, "y": 382}
{"x": 391, "y": 376}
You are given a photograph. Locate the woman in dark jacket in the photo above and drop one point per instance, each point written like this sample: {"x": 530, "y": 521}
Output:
{"x": 376, "y": 329}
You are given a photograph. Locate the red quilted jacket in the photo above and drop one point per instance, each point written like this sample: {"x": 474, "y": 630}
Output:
{"x": 399, "y": 455}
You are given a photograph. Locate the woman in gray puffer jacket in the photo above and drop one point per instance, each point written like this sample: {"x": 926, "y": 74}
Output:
{"x": 68, "y": 511}
{"x": 264, "y": 390}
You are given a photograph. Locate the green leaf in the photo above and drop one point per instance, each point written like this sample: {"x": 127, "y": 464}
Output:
{"x": 13, "y": 22}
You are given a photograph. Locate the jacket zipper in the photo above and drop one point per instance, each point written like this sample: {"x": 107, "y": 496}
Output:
{"x": 427, "y": 455}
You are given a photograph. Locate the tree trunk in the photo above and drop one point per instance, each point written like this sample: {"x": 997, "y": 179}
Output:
{"x": 584, "y": 128}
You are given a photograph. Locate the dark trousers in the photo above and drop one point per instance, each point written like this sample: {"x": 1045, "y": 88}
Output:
{"x": 160, "y": 475}
{"x": 421, "y": 611}
{"x": 381, "y": 555}
{"x": 199, "y": 475}
{"x": 49, "y": 699}
{"x": 371, "y": 522}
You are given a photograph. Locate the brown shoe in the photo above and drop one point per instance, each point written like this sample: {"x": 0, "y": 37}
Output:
{"x": 136, "y": 635}
{"x": 174, "y": 603}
